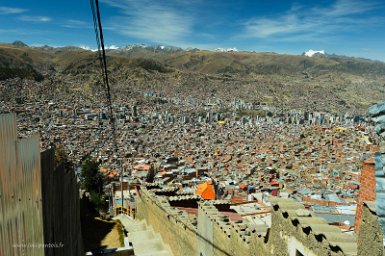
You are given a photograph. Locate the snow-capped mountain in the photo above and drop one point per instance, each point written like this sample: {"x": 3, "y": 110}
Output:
{"x": 153, "y": 48}
{"x": 226, "y": 50}
{"x": 311, "y": 53}
{"x": 133, "y": 47}
{"x": 130, "y": 47}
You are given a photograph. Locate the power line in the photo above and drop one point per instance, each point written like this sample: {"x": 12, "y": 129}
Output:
{"x": 97, "y": 38}
{"x": 103, "y": 63}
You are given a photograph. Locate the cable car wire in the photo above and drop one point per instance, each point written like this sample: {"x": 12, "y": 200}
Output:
{"x": 98, "y": 29}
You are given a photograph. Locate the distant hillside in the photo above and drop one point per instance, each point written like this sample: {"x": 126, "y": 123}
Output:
{"x": 323, "y": 81}
{"x": 18, "y": 59}
{"x": 250, "y": 62}
{"x": 19, "y": 44}
{"x": 15, "y": 62}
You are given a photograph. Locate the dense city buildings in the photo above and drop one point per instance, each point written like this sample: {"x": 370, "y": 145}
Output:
{"x": 225, "y": 178}
{"x": 186, "y": 154}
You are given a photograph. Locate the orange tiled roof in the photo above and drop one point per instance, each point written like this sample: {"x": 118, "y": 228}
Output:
{"x": 206, "y": 190}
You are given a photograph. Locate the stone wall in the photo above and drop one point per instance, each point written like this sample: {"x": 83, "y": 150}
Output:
{"x": 228, "y": 237}
{"x": 297, "y": 229}
{"x": 212, "y": 235}
{"x": 370, "y": 239}
{"x": 294, "y": 230}
{"x": 173, "y": 225}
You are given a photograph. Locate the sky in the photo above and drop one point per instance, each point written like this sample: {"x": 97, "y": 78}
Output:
{"x": 343, "y": 27}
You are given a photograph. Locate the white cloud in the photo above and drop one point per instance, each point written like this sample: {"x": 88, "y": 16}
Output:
{"x": 20, "y": 31}
{"x": 13, "y": 31}
{"x": 38, "y": 19}
{"x": 72, "y": 23}
{"x": 10, "y": 10}
{"x": 343, "y": 15}
{"x": 349, "y": 7}
{"x": 150, "y": 21}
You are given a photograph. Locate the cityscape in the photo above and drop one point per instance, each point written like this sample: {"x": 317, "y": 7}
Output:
{"x": 152, "y": 149}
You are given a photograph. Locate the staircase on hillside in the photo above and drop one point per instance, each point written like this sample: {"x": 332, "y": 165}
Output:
{"x": 144, "y": 240}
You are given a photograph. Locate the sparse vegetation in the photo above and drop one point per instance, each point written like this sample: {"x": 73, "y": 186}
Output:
{"x": 324, "y": 83}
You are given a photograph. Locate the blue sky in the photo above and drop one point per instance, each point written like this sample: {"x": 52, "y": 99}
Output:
{"x": 346, "y": 27}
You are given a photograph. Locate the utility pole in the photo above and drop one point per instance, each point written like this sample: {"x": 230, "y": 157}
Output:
{"x": 121, "y": 183}
{"x": 130, "y": 173}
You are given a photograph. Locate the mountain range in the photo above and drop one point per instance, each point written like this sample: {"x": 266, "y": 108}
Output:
{"x": 345, "y": 78}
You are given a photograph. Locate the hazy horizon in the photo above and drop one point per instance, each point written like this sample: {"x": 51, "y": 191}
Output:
{"x": 341, "y": 27}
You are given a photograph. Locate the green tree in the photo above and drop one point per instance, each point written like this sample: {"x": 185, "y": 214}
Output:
{"x": 61, "y": 157}
{"x": 93, "y": 181}
{"x": 90, "y": 175}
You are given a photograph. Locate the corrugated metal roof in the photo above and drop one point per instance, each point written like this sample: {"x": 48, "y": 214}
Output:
{"x": 334, "y": 198}
{"x": 324, "y": 209}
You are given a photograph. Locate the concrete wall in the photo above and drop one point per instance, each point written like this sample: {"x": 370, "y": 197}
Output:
{"x": 370, "y": 239}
